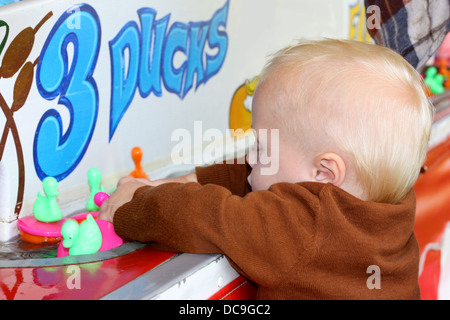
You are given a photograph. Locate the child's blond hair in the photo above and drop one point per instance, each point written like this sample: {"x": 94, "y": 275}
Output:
{"x": 367, "y": 100}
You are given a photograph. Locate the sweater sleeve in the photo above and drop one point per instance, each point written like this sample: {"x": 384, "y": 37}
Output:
{"x": 231, "y": 176}
{"x": 261, "y": 234}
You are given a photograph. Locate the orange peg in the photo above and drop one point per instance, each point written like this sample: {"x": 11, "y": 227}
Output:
{"x": 444, "y": 71}
{"x": 443, "y": 67}
{"x": 136, "y": 155}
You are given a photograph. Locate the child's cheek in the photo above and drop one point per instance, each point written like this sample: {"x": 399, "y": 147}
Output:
{"x": 251, "y": 178}
{"x": 254, "y": 178}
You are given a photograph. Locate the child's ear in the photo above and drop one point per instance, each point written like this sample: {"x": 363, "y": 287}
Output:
{"x": 329, "y": 168}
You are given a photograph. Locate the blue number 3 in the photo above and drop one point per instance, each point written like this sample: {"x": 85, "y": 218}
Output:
{"x": 56, "y": 153}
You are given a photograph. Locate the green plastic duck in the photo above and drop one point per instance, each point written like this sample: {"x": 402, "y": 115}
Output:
{"x": 434, "y": 80}
{"x": 84, "y": 238}
{"x": 94, "y": 179}
{"x": 45, "y": 208}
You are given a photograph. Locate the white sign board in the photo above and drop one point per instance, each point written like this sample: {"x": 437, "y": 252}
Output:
{"x": 81, "y": 84}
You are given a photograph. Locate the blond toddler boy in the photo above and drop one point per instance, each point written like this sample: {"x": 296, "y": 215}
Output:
{"x": 354, "y": 124}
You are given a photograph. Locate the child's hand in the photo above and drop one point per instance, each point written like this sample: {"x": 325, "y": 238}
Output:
{"x": 191, "y": 177}
{"x": 125, "y": 191}
{"x": 123, "y": 194}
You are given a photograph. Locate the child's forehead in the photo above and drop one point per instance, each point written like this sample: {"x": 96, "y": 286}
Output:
{"x": 278, "y": 93}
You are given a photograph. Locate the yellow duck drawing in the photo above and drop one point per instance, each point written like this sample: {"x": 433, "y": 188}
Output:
{"x": 240, "y": 108}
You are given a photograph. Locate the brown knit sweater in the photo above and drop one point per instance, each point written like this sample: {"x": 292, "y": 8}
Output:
{"x": 295, "y": 241}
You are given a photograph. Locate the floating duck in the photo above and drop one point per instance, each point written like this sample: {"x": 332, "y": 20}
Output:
{"x": 109, "y": 238}
{"x": 45, "y": 208}
{"x": 94, "y": 176}
{"x": 84, "y": 238}
{"x": 434, "y": 80}
{"x": 44, "y": 226}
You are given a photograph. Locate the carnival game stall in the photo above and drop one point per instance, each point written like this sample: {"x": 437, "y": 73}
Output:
{"x": 96, "y": 90}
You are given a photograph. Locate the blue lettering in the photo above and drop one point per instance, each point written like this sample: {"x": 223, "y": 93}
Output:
{"x": 57, "y": 153}
{"x": 123, "y": 86}
{"x": 156, "y": 56}
{"x": 140, "y": 59}
{"x": 176, "y": 41}
{"x": 217, "y": 39}
{"x": 149, "y": 70}
{"x": 197, "y": 39}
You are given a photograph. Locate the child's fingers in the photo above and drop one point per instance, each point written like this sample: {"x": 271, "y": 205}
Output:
{"x": 123, "y": 194}
{"x": 124, "y": 180}
{"x": 127, "y": 179}
{"x": 106, "y": 212}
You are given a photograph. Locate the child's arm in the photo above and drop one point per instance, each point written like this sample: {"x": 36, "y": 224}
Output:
{"x": 231, "y": 176}
{"x": 127, "y": 186}
{"x": 255, "y": 232}
{"x": 191, "y": 177}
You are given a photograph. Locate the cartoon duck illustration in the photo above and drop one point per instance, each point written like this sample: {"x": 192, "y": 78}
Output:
{"x": 241, "y": 106}
{"x": 84, "y": 238}
{"x": 45, "y": 208}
